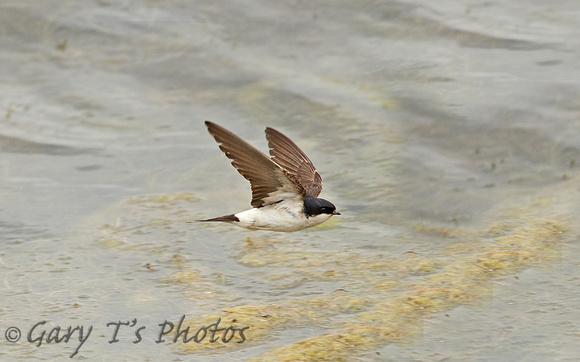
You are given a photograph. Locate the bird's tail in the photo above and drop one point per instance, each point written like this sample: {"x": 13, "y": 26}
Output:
{"x": 226, "y": 218}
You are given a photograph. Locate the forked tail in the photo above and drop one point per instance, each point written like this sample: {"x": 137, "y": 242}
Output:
{"x": 226, "y": 218}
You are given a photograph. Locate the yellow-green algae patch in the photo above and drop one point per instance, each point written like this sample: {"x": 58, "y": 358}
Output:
{"x": 379, "y": 298}
{"x": 154, "y": 224}
{"x": 339, "y": 265}
{"x": 198, "y": 285}
{"x": 387, "y": 304}
{"x": 263, "y": 319}
{"x": 138, "y": 220}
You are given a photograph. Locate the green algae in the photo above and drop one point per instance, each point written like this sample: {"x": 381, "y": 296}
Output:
{"x": 382, "y": 298}
{"x": 389, "y": 308}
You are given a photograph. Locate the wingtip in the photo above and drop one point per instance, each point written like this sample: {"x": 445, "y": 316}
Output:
{"x": 270, "y": 132}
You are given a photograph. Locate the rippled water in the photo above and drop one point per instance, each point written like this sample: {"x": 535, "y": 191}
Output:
{"x": 447, "y": 134}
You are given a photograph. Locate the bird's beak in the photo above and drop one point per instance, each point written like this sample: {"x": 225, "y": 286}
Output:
{"x": 336, "y": 213}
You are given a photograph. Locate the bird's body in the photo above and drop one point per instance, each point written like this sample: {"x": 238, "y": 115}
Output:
{"x": 283, "y": 216}
{"x": 284, "y": 187}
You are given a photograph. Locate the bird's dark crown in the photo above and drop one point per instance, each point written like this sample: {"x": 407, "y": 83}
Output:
{"x": 315, "y": 206}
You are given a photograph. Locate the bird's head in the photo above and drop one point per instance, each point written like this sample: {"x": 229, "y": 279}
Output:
{"x": 315, "y": 206}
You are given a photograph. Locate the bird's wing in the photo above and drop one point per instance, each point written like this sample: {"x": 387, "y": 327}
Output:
{"x": 270, "y": 183}
{"x": 291, "y": 158}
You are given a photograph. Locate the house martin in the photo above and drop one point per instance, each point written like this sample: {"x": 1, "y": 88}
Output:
{"x": 285, "y": 186}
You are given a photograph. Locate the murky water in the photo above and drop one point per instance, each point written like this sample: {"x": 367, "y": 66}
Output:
{"x": 447, "y": 134}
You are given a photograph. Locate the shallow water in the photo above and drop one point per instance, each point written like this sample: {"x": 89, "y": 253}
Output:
{"x": 447, "y": 136}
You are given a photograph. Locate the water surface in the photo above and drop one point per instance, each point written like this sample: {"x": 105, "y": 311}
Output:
{"x": 447, "y": 135}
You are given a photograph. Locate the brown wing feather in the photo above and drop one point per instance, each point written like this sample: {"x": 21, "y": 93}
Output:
{"x": 290, "y": 157}
{"x": 265, "y": 176}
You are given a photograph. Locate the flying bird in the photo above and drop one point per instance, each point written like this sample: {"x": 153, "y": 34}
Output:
{"x": 285, "y": 186}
